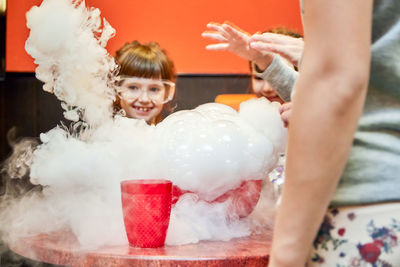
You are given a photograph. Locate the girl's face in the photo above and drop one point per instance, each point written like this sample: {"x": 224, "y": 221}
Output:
{"x": 142, "y": 108}
{"x": 262, "y": 88}
{"x": 143, "y": 98}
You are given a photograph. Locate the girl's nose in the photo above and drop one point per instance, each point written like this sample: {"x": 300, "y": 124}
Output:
{"x": 144, "y": 97}
{"x": 268, "y": 90}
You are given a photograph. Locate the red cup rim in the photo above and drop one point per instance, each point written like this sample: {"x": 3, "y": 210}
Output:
{"x": 146, "y": 186}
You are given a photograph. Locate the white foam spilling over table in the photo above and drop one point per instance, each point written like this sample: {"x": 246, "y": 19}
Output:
{"x": 208, "y": 150}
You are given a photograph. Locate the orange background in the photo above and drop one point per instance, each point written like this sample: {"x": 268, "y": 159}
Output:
{"x": 175, "y": 24}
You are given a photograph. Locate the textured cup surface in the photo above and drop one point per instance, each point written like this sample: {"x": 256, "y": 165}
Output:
{"x": 146, "y": 205}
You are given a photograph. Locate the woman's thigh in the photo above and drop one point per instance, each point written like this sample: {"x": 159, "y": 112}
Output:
{"x": 358, "y": 236}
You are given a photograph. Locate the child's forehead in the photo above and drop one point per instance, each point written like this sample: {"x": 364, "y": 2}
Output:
{"x": 140, "y": 80}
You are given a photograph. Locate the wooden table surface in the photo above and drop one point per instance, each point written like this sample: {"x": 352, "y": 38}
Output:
{"x": 63, "y": 248}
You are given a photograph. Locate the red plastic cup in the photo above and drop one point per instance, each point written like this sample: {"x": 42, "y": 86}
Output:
{"x": 146, "y": 205}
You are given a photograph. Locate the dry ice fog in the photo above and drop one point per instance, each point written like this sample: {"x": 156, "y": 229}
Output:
{"x": 208, "y": 150}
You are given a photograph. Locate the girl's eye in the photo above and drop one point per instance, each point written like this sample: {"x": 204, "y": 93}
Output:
{"x": 258, "y": 78}
{"x": 155, "y": 89}
{"x": 133, "y": 87}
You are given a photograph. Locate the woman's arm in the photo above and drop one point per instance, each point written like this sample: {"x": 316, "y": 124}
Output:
{"x": 330, "y": 93}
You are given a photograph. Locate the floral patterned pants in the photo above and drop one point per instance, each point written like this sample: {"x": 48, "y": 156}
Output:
{"x": 358, "y": 236}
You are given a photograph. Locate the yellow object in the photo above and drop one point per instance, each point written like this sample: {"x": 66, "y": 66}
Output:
{"x": 233, "y": 100}
{"x": 3, "y": 6}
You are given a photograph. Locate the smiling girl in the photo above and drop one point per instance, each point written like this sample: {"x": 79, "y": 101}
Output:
{"x": 146, "y": 81}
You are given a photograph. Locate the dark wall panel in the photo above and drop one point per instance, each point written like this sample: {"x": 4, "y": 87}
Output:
{"x": 193, "y": 90}
{"x": 27, "y": 107}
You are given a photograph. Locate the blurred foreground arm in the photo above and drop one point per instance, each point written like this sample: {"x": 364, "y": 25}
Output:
{"x": 330, "y": 93}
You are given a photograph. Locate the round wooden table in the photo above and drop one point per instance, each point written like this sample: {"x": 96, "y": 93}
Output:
{"x": 62, "y": 248}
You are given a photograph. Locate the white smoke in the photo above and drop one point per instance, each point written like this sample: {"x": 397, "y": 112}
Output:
{"x": 208, "y": 151}
{"x": 67, "y": 43}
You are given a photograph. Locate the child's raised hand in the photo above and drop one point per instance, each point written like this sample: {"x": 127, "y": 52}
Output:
{"x": 230, "y": 38}
{"x": 288, "y": 47}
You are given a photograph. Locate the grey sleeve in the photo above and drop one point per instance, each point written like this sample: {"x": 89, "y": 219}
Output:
{"x": 280, "y": 76}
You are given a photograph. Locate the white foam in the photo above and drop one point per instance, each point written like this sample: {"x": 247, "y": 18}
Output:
{"x": 208, "y": 150}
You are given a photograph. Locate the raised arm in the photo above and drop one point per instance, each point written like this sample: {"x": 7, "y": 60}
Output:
{"x": 270, "y": 66}
{"x": 280, "y": 76}
{"x": 231, "y": 38}
{"x": 288, "y": 47}
{"x": 330, "y": 93}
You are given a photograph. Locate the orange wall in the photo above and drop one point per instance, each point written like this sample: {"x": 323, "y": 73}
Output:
{"x": 175, "y": 24}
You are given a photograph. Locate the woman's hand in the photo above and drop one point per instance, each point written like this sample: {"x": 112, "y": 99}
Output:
{"x": 288, "y": 47}
{"x": 233, "y": 39}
